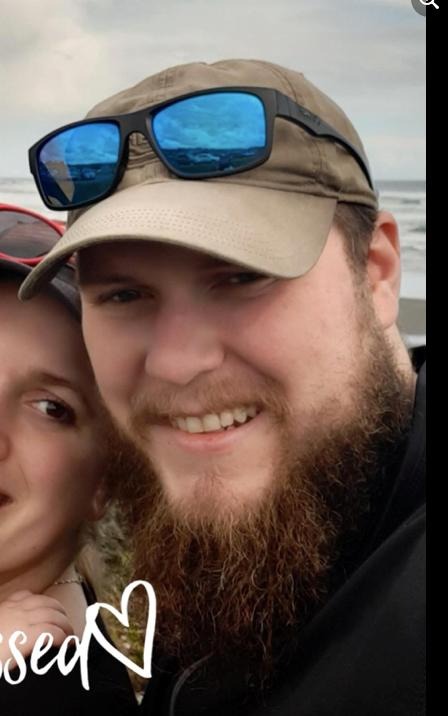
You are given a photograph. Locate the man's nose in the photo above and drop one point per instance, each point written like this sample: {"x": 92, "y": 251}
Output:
{"x": 183, "y": 344}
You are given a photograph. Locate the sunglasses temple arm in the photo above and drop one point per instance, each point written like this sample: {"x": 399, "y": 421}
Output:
{"x": 288, "y": 109}
{"x": 26, "y": 261}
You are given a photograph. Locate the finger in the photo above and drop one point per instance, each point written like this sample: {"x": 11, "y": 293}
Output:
{"x": 49, "y": 616}
{"x": 18, "y": 596}
{"x": 56, "y": 633}
{"x": 42, "y": 601}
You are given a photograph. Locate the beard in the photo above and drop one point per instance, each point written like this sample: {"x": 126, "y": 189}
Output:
{"x": 240, "y": 584}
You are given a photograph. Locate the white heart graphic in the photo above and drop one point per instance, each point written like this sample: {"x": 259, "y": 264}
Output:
{"x": 123, "y": 618}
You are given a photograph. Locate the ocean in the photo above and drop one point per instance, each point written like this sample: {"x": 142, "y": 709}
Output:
{"x": 406, "y": 200}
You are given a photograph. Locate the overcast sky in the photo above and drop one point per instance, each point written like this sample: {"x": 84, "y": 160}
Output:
{"x": 60, "y": 57}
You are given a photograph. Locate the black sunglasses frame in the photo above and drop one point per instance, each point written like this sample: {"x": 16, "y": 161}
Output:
{"x": 276, "y": 104}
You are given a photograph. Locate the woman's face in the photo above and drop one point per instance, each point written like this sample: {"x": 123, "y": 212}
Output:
{"x": 50, "y": 446}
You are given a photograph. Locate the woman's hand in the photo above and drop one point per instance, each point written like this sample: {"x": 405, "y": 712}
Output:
{"x": 33, "y": 614}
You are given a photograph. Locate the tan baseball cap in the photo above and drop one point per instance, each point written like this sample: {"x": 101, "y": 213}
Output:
{"x": 274, "y": 218}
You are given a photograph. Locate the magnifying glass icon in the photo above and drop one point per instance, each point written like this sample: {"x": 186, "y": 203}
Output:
{"x": 429, "y": 2}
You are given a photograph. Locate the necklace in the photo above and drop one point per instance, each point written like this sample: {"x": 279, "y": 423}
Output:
{"x": 73, "y": 580}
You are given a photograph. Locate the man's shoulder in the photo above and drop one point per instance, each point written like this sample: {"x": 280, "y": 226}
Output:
{"x": 364, "y": 652}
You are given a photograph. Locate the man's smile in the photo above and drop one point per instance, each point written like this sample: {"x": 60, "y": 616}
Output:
{"x": 210, "y": 432}
{"x": 215, "y": 422}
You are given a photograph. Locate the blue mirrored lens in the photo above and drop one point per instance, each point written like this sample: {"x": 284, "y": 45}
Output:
{"x": 79, "y": 164}
{"x": 219, "y": 132}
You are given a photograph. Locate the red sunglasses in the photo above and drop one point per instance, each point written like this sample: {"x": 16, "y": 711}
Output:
{"x": 26, "y": 236}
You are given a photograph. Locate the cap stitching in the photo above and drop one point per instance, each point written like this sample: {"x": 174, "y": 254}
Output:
{"x": 183, "y": 220}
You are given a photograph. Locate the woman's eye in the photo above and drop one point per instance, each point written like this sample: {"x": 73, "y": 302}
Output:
{"x": 55, "y": 410}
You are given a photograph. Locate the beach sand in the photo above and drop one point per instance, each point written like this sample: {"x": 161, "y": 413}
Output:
{"x": 412, "y": 318}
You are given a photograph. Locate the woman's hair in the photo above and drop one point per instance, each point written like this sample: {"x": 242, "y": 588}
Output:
{"x": 90, "y": 559}
{"x": 102, "y": 556}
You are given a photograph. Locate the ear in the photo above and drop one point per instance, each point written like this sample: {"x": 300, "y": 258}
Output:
{"x": 383, "y": 269}
{"x": 99, "y": 502}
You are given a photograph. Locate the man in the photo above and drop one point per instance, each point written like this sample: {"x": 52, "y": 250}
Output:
{"x": 240, "y": 297}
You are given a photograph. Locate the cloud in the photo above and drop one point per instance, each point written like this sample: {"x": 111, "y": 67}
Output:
{"x": 73, "y": 52}
{"x": 60, "y": 57}
{"x": 387, "y": 152}
{"x": 48, "y": 57}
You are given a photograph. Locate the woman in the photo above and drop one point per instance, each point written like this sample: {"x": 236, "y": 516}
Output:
{"x": 56, "y": 472}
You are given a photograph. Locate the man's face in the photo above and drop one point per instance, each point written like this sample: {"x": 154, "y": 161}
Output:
{"x": 179, "y": 341}
{"x": 184, "y": 345}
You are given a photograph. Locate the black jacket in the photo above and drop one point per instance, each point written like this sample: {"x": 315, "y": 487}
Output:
{"x": 363, "y": 653}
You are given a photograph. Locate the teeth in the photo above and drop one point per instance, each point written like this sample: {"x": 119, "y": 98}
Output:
{"x": 226, "y": 418}
{"x": 240, "y": 415}
{"x": 212, "y": 422}
{"x": 194, "y": 425}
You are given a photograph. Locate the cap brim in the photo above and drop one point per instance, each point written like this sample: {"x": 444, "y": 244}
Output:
{"x": 62, "y": 290}
{"x": 281, "y": 233}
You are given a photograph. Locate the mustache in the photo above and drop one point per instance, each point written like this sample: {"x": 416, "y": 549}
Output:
{"x": 162, "y": 402}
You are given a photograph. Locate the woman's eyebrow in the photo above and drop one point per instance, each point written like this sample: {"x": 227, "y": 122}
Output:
{"x": 42, "y": 376}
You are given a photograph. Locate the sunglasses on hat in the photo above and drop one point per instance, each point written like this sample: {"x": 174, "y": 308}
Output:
{"x": 25, "y": 240}
{"x": 200, "y": 135}
{"x": 26, "y": 237}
